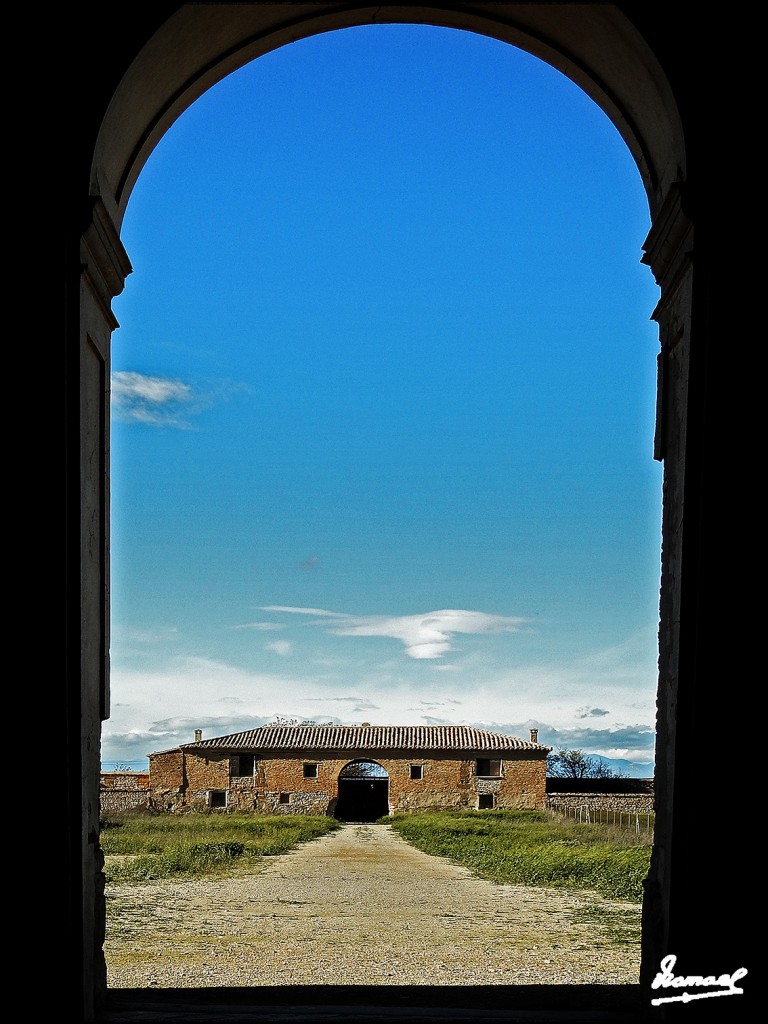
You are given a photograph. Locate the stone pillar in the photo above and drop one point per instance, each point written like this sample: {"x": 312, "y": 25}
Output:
{"x": 668, "y": 252}
{"x": 104, "y": 266}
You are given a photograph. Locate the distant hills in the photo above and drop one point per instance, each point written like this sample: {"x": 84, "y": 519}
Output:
{"x": 627, "y": 769}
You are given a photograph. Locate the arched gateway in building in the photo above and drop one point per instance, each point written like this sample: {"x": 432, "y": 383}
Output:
{"x": 363, "y": 791}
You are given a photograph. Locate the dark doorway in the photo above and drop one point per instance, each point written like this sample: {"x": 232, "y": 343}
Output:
{"x": 363, "y": 792}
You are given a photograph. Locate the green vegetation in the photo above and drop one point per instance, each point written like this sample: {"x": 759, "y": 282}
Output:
{"x": 620, "y": 927}
{"x": 533, "y": 848}
{"x": 140, "y": 846}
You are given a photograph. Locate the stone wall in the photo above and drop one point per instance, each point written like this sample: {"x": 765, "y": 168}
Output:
{"x": 634, "y": 803}
{"x": 123, "y": 791}
{"x": 204, "y": 780}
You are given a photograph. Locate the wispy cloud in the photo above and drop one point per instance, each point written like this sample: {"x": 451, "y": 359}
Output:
{"x": 424, "y": 636}
{"x": 431, "y": 705}
{"x": 343, "y": 700}
{"x": 356, "y": 703}
{"x": 164, "y": 401}
{"x": 320, "y": 612}
{"x": 262, "y": 627}
{"x": 145, "y": 637}
{"x": 591, "y": 712}
{"x": 281, "y": 647}
{"x": 157, "y": 401}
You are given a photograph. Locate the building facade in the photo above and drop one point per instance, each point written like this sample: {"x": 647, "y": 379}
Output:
{"x": 356, "y": 773}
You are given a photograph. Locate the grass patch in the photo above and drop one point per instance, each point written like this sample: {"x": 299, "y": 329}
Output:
{"x": 620, "y": 926}
{"x": 139, "y": 847}
{"x": 533, "y": 848}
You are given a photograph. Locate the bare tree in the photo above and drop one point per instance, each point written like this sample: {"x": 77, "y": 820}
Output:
{"x": 575, "y": 764}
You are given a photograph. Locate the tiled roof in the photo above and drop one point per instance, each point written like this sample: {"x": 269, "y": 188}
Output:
{"x": 365, "y": 737}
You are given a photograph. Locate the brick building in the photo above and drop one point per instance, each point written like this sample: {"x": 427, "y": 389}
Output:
{"x": 356, "y": 773}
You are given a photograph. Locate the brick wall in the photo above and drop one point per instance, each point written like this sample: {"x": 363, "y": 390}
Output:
{"x": 166, "y": 773}
{"x": 202, "y": 780}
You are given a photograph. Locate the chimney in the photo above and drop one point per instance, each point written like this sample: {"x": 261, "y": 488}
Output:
{"x": 198, "y": 735}
{"x": 534, "y": 735}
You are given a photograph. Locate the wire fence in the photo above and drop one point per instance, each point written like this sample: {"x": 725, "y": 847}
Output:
{"x": 639, "y": 822}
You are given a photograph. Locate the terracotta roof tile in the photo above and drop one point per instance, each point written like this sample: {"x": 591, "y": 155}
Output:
{"x": 366, "y": 737}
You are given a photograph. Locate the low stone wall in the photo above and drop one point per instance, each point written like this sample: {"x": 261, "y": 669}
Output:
{"x": 123, "y": 800}
{"x": 123, "y": 791}
{"x": 633, "y": 803}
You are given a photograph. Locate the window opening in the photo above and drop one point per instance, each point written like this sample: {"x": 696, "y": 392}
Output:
{"x": 243, "y": 765}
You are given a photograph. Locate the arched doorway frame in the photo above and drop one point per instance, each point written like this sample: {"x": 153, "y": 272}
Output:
{"x": 169, "y": 64}
{"x": 376, "y": 778}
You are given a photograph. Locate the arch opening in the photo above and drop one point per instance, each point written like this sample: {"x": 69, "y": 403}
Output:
{"x": 363, "y": 791}
{"x": 139, "y": 118}
{"x": 363, "y": 794}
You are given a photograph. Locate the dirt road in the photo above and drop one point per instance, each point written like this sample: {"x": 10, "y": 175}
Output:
{"x": 362, "y": 907}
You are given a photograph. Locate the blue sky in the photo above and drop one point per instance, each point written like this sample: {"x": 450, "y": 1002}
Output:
{"x": 383, "y": 401}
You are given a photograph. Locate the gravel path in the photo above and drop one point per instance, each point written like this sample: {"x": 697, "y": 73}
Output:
{"x": 359, "y": 907}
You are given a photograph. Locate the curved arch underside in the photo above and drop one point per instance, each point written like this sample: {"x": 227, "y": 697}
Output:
{"x": 592, "y": 44}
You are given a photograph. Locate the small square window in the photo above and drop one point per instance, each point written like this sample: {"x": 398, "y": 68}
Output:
{"x": 310, "y": 771}
{"x": 285, "y": 798}
{"x": 488, "y": 769}
{"x": 417, "y": 771}
{"x": 217, "y": 798}
{"x": 486, "y": 802}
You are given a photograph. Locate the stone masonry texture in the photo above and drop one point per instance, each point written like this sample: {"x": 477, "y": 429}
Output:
{"x": 188, "y": 780}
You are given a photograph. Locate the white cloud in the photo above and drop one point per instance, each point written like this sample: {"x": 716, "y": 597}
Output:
{"x": 157, "y": 401}
{"x": 571, "y": 704}
{"x": 281, "y": 647}
{"x": 165, "y": 401}
{"x": 425, "y": 636}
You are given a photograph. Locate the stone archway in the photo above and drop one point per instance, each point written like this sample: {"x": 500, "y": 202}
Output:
{"x": 363, "y": 791}
{"x": 642, "y": 68}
